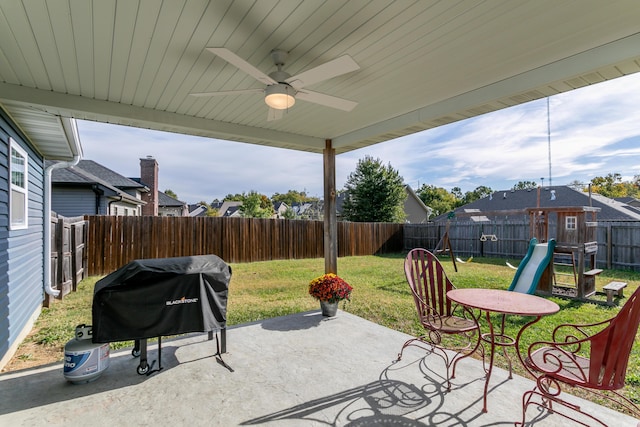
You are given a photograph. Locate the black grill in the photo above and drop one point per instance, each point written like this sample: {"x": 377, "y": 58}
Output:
{"x": 159, "y": 297}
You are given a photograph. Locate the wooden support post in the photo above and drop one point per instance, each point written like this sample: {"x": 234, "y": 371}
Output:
{"x": 330, "y": 217}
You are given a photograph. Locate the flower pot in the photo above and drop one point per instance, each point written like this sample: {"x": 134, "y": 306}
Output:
{"x": 329, "y": 309}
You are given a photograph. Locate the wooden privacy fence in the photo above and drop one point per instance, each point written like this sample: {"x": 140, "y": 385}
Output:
{"x": 114, "y": 241}
{"x": 68, "y": 253}
{"x": 117, "y": 240}
{"x": 618, "y": 241}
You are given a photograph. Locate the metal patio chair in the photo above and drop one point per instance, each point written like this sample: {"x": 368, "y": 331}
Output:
{"x": 581, "y": 356}
{"x": 448, "y": 326}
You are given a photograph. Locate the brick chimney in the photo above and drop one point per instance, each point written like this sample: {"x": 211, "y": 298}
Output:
{"x": 149, "y": 177}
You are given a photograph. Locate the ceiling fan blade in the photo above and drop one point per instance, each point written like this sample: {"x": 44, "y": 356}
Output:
{"x": 241, "y": 64}
{"x": 227, "y": 92}
{"x": 274, "y": 114}
{"x": 326, "y": 100}
{"x": 342, "y": 65}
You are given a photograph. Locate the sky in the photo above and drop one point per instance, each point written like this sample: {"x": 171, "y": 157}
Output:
{"x": 594, "y": 131}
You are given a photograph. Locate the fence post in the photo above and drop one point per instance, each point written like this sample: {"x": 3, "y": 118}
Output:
{"x": 78, "y": 252}
{"x": 609, "y": 246}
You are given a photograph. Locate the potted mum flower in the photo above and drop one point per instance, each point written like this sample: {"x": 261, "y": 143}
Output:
{"x": 329, "y": 289}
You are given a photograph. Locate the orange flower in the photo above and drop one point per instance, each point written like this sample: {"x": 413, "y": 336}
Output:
{"x": 329, "y": 287}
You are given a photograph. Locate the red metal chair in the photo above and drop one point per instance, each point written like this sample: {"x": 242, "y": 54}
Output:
{"x": 581, "y": 356}
{"x": 447, "y": 325}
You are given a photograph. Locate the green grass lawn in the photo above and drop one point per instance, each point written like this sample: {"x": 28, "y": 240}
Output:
{"x": 262, "y": 290}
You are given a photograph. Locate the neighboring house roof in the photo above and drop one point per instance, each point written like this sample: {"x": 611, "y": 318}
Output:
{"x": 197, "y": 210}
{"x": 311, "y": 210}
{"x": 279, "y": 209}
{"x": 164, "y": 200}
{"x": 110, "y": 176}
{"x": 228, "y": 208}
{"x": 511, "y": 201}
{"x": 631, "y": 201}
{"x": 231, "y": 211}
{"x": 79, "y": 176}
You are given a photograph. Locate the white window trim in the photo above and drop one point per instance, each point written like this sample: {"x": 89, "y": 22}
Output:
{"x": 571, "y": 223}
{"x": 23, "y": 224}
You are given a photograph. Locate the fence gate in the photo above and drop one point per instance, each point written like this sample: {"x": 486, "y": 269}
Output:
{"x": 68, "y": 254}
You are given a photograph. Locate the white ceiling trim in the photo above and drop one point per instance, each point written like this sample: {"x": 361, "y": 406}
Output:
{"x": 110, "y": 112}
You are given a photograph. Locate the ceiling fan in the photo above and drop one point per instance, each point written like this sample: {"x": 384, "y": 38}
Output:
{"x": 282, "y": 89}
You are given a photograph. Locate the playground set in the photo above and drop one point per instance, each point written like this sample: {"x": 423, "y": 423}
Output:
{"x": 570, "y": 263}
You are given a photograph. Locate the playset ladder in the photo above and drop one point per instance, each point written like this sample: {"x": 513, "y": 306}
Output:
{"x": 565, "y": 279}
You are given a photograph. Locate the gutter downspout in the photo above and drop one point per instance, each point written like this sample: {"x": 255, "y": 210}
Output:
{"x": 71, "y": 131}
{"x": 111, "y": 202}
{"x": 98, "y": 192}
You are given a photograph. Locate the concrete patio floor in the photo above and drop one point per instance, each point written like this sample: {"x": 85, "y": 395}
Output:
{"x": 297, "y": 370}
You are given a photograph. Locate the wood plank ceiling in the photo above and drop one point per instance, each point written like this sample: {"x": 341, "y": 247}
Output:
{"x": 422, "y": 63}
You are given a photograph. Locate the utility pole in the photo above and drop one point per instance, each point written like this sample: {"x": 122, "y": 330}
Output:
{"x": 549, "y": 140}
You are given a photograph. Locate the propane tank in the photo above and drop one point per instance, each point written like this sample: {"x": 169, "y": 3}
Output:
{"x": 84, "y": 361}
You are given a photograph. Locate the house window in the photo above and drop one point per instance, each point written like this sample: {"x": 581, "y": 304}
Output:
{"x": 571, "y": 223}
{"x": 19, "y": 197}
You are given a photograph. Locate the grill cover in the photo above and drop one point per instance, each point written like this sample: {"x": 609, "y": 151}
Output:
{"x": 167, "y": 296}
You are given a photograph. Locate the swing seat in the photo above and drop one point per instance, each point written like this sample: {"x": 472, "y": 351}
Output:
{"x": 486, "y": 237}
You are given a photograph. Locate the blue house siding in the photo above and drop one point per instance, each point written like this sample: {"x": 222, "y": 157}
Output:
{"x": 4, "y": 250}
{"x": 21, "y": 251}
{"x": 76, "y": 202}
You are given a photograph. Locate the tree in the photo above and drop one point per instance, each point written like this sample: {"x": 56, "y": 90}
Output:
{"x": 612, "y": 186}
{"x": 577, "y": 185}
{"x": 234, "y": 197}
{"x": 292, "y": 196}
{"x": 457, "y": 193}
{"x": 289, "y": 214}
{"x": 525, "y": 185}
{"x": 477, "y": 194}
{"x": 170, "y": 193}
{"x": 443, "y": 201}
{"x": 210, "y": 211}
{"x": 374, "y": 193}
{"x": 438, "y": 198}
{"x": 255, "y": 205}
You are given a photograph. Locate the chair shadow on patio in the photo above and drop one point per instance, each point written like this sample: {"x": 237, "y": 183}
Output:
{"x": 416, "y": 400}
{"x": 376, "y": 402}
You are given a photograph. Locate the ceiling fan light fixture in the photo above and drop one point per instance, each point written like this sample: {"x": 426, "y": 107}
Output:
{"x": 279, "y": 96}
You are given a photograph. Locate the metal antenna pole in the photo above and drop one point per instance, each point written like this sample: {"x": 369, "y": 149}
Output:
{"x": 549, "y": 140}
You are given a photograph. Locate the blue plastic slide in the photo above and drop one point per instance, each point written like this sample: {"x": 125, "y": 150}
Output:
{"x": 531, "y": 267}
